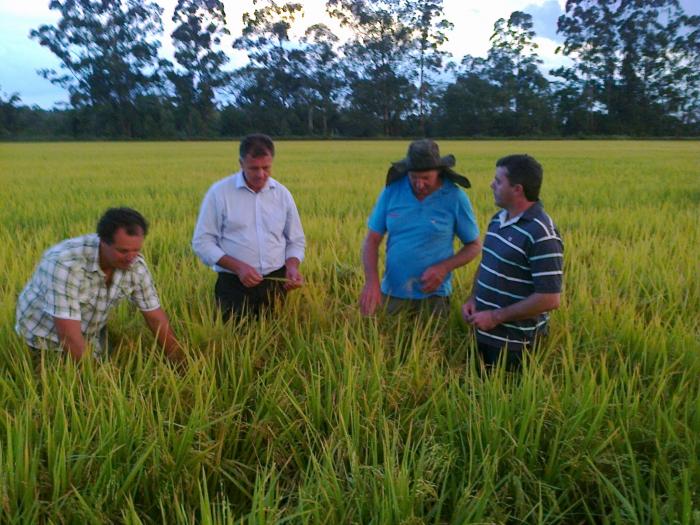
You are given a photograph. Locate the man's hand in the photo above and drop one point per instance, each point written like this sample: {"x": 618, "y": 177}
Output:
{"x": 469, "y": 309}
{"x": 71, "y": 337}
{"x": 370, "y": 298}
{"x": 177, "y": 356}
{"x": 248, "y": 275}
{"x": 433, "y": 277}
{"x": 484, "y": 320}
{"x": 159, "y": 325}
{"x": 294, "y": 278}
{"x": 528, "y": 308}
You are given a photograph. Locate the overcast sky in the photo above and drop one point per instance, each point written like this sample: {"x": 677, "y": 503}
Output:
{"x": 21, "y": 57}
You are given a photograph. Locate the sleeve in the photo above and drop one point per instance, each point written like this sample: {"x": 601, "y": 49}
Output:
{"x": 293, "y": 232}
{"x": 206, "y": 238}
{"x": 466, "y": 228}
{"x": 377, "y": 220}
{"x": 144, "y": 294}
{"x": 62, "y": 291}
{"x": 547, "y": 262}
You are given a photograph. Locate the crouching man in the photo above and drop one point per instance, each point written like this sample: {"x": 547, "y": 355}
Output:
{"x": 65, "y": 304}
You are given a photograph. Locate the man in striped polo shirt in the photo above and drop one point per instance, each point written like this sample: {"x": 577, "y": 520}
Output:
{"x": 520, "y": 276}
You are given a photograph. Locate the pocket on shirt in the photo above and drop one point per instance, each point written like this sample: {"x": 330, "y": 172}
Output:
{"x": 440, "y": 225}
{"x": 87, "y": 292}
{"x": 274, "y": 223}
{"x": 234, "y": 224}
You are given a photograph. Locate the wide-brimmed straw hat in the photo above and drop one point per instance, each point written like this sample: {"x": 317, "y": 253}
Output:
{"x": 424, "y": 155}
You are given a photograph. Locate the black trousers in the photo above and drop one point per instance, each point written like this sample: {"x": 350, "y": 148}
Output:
{"x": 491, "y": 356}
{"x": 235, "y": 299}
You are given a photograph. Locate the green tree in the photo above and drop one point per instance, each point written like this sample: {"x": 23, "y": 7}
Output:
{"x": 430, "y": 28}
{"x": 591, "y": 40}
{"x": 270, "y": 86}
{"x": 466, "y": 107}
{"x": 109, "y": 58}
{"x": 376, "y": 66}
{"x": 9, "y": 114}
{"x": 514, "y": 69}
{"x": 322, "y": 80}
{"x": 635, "y": 65}
{"x": 200, "y": 26}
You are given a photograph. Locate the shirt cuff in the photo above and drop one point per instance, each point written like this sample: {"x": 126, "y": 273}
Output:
{"x": 211, "y": 255}
{"x": 64, "y": 315}
{"x": 294, "y": 252}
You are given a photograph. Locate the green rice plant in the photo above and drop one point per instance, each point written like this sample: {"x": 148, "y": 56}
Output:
{"x": 314, "y": 414}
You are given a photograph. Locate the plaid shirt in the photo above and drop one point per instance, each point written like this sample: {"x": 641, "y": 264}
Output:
{"x": 69, "y": 284}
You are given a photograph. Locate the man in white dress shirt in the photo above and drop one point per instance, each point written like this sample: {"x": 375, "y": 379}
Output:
{"x": 249, "y": 231}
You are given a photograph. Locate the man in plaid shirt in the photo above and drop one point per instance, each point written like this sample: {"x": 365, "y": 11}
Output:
{"x": 78, "y": 281}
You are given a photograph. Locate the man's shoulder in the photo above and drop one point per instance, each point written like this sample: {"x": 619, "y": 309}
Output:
{"x": 226, "y": 182}
{"x": 495, "y": 219}
{"x": 397, "y": 188}
{"x": 76, "y": 250}
{"x": 139, "y": 268}
{"x": 277, "y": 186}
{"x": 71, "y": 259}
{"x": 538, "y": 222}
{"x": 451, "y": 193}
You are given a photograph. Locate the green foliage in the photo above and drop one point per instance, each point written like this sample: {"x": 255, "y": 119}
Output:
{"x": 9, "y": 114}
{"x": 635, "y": 67}
{"x": 635, "y": 70}
{"x": 317, "y": 415}
{"x": 197, "y": 40}
{"x": 109, "y": 54}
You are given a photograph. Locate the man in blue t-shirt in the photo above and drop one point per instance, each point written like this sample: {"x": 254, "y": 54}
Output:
{"x": 422, "y": 210}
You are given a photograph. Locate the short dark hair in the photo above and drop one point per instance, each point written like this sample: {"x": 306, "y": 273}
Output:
{"x": 524, "y": 170}
{"x": 256, "y": 145}
{"x": 115, "y": 218}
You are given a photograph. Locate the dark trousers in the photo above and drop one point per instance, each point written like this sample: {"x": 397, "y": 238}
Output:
{"x": 235, "y": 299}
{"x": 493, "y": 355}
{"x": 439, "y": 306}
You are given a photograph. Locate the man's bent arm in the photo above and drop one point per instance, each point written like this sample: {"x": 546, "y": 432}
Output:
{"x": 433, "y": 277}
{"x": 371, "y": 294}
{"x": 532, "y": 306}
{"x": 70, "y": 337}
{"x": 207, "y": 231}
{"x": 466, "y": 254}
{"x": 248, "y": 275}
{"x": 158, "y": 323}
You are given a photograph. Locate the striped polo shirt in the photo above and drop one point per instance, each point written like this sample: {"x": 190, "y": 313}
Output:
{"x": 521, "y": 256}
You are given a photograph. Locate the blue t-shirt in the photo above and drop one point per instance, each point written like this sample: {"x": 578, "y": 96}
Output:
{"x": 420, "y": 234}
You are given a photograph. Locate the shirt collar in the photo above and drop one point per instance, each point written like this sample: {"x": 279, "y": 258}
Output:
{"x": 240, "y": 182}
{"x": 528, "y": 214}
{"x": 505, "y": 221}
{"x": 532, "y": 211}
{"x": 94, "y": 244}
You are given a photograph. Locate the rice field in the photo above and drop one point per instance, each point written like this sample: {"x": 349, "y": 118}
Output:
{"x": 318, "y": 415}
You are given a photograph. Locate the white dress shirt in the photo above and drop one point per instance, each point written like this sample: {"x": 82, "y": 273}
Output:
{"x": 261, "y": 229}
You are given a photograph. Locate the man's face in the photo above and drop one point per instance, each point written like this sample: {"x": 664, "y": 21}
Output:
{"x": 503, "y": 191}
{"x": 424, "y": 183}
{"x": 256, "y": 170}
{"x": 122, "y": 252}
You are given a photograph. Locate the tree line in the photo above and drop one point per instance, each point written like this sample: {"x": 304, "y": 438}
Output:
{"x": 635, "y": 70}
